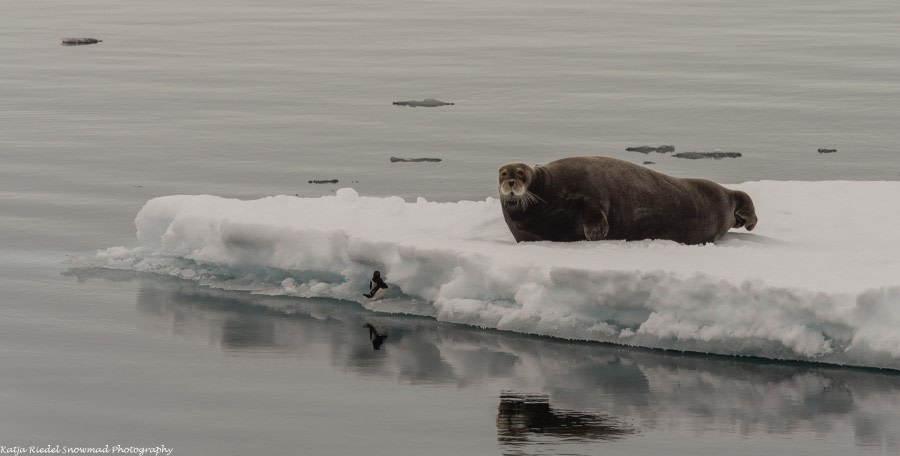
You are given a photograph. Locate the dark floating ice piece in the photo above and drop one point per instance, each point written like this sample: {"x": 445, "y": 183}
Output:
{"x": 714, "y": 155}
{"x": 397, "y": 159}
{"x": 79, "y": 41}
{"x": 827, "y": 151}
{"x": 323, "y": 181}
{"x": 649, "y": 163}
{"x": 426, "y": 103}
{"x": 663, "y": 149}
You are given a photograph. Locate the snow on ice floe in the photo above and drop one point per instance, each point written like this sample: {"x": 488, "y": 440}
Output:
{"x": 819, "y": 278}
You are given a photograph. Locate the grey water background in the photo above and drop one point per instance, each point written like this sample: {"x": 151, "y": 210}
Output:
{"x": 246, "y": 99}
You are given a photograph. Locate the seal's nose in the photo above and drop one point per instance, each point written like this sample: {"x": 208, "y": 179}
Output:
{"x": 511, "y": 182}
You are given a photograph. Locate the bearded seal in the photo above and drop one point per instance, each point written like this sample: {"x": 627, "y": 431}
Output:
{"x": 594, "y": 198}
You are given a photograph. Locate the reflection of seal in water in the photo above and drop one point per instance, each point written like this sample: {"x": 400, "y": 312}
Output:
{"x": 522, "y": 417}
{"x": 593, "y": 198}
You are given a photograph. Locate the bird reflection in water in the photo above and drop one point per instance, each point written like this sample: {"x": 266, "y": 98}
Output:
{"x": 523, "y": 418}
{"x": 376, "y": 337}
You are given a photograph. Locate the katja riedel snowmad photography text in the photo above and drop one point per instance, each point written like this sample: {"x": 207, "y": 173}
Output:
{"x": 72, "y": 449}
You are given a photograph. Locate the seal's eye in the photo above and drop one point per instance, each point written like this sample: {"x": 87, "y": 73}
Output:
{"x": 520, "y": 173}
{"x": 503, "y": 173}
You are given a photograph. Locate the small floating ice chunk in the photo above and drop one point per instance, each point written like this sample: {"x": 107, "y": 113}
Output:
{"x": 426, "y": 103}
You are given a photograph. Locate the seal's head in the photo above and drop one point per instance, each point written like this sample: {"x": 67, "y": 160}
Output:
{"x": 514, "y": 179}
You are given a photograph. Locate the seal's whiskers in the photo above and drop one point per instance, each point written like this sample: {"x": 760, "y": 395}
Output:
{"x": 533, "y": 197}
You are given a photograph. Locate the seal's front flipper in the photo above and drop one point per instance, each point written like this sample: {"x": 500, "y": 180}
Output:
{"x": 596, "y": 226}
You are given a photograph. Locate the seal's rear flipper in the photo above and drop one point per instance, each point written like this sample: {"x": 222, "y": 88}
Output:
{"x": 744, "y": 211}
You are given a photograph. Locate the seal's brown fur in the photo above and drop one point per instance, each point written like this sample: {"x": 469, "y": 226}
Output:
{"x": 593, "y": 198}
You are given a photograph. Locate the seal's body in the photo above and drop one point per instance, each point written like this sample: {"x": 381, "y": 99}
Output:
{"x": 594, "y": 198}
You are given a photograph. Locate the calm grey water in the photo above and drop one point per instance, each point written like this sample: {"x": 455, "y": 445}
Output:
{"x": 246, "y": 98}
